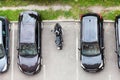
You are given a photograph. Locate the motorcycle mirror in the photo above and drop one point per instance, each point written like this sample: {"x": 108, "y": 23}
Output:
{"x": 18, "y": 49}
{"x": 51, "y": 30}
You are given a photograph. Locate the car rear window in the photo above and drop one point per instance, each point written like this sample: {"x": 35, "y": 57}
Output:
{"x": 89, "y": 29}
{"x": 27, "y": 29}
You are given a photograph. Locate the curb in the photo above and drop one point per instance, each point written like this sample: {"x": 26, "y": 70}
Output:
{"x": 106, "y": 21}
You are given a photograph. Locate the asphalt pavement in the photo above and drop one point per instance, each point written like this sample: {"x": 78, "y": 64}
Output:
{"x": 64, "y": 64}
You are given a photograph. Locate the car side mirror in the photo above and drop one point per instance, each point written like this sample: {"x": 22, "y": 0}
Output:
{"x": 103, "y": 48}
{"x": 79, "y": 49}
{"x": 38, "y": 48}
{"x": 18, "y": 63}
{"x": 18, "y": 49}
{"x": 116, "y": 51}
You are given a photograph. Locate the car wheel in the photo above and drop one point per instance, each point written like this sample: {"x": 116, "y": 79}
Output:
{"x": 8, "y": 61}
{"x": 41, "y": 62}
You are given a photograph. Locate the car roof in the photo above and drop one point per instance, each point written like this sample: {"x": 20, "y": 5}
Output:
{"x": 27, "y": 29}
{"x": 89, "y": 29}
{"x": 1, "y": 32}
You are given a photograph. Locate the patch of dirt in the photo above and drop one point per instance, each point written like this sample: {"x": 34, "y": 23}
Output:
{"x": 100, "y": 9}
{"x": 36, "y": 7}
{"x": 96, "y": 9}
{"x": 112, "y": 8}
{"x": 63, "y": 18}
{"x": 61, "y": 7}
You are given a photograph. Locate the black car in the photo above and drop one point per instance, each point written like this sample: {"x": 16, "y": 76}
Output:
{"x": 117, "y": 37}
{"x": 92, "y": 43}
{"x": 4, "y": 44}
{"x": 29, "y": 51}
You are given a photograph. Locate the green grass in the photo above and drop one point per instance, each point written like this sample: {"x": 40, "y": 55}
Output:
{"x": 46, "y": 15}
{"x": 50, "y": 14}
{"x": 69, "y": 2}
{"x": 11, "y": 15}
{"x": 110, "y": 15}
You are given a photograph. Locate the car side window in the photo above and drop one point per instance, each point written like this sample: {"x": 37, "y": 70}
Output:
{"x": 36, "y": 33}
{"x": 4, "y": 33}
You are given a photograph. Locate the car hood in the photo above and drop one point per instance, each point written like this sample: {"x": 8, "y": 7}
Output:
{"x": 28, "y": 64}
{"x": 3, "y": 63}
{"x": 91, "y": 61}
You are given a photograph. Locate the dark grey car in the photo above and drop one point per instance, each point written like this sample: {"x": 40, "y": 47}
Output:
{"x": 4, "y": 44}
{"x": 117, "y": 37}
{"x": 92, "y": 46}
{"x": 29, "y": 51}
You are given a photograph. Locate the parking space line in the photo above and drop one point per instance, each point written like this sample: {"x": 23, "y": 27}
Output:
{"x": 12, "y": 57}
{"x": 110, "y": 77}
{"x": 44, "y": 72}
{"x": 77, "y": 56}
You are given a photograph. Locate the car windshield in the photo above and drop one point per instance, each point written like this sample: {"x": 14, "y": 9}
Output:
{"x": 2, "y": 51}
{"x": 28, "y": 49}
{"x": 90, "y": 49}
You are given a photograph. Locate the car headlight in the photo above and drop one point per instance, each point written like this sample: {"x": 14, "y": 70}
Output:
{"x": 39, "y": 61}
{"x": 101, "y": 65}
{"x": 38, "y": 67}
{"x": 82, "y": 66}
{"x": 5, "y": 68}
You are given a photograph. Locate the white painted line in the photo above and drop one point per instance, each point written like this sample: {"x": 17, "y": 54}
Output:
{"x": 12, "y": 57}
{"x": 77, "y": 56}
{"x": 44, "y": 72}
{"x": 110, "y": 77}
{"x": 76, "y": 44}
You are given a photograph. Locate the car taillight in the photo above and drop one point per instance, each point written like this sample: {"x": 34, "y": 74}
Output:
{"x": 81, "y": 16}
{"x": 100, "y": 16}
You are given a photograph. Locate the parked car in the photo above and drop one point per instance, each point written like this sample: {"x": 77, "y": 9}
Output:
{"x": 29, "y": 50}
{"x": 4, "y": 44}
{"x": 117, "y": 37}
{"x": 92, "y": 42}
{"x": 58, "y": 34}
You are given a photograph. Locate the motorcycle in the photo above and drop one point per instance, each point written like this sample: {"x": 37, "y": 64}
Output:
{"x": 58, "y": 33}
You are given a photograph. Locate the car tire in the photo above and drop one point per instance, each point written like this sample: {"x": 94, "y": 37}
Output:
{"x": 8, "y": 61}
